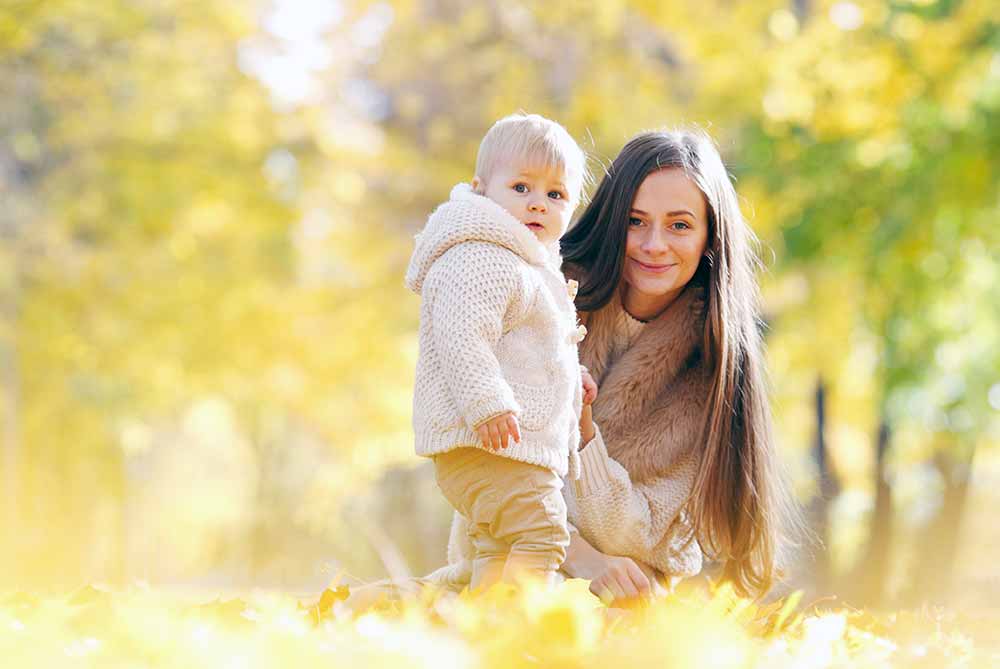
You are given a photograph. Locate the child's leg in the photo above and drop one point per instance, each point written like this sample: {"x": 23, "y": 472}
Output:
{"x": 516, "y": 513}
{"x": 531, "y": 519}
{"x": 491, "y": 558}
{"x": 465, "y": 476}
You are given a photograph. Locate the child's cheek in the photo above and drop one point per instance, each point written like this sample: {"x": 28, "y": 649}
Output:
{"x": 565, "y": 219}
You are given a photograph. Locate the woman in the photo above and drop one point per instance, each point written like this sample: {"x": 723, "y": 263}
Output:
{"x": 677, "y": 457}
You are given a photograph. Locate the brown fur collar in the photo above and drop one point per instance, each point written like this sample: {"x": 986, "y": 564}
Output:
{"x": 651, "y": 402}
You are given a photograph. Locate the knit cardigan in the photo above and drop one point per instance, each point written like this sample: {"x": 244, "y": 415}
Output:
{"x": 639, "y": 469}
{"x": 498, "y": 333}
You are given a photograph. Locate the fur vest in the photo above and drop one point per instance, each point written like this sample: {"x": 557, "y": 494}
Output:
{"x": 652, "y": 400}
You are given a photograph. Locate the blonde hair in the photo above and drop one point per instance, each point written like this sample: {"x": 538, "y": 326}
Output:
{"x": 533, "y": 138}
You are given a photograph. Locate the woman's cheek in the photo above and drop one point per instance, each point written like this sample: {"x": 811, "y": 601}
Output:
{"x": 647, "y": 283}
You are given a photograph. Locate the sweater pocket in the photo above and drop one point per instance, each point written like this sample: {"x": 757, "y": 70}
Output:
{"x": 537, "y": 404}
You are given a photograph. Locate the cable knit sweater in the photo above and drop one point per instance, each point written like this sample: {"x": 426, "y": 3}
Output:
{"x": 498, "y": 333}
{"x": 639, "y": 469}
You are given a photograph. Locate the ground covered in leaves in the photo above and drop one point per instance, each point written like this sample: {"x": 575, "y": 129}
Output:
{"x": 142, "y": 627}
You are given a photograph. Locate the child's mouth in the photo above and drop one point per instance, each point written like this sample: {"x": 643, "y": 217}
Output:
{"x": 535, "y": 226}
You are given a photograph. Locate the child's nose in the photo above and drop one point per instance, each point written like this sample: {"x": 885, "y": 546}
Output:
{"x": 537, "y": 204}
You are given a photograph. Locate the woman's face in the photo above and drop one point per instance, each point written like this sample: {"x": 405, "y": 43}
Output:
{"x": 667, "y": 234}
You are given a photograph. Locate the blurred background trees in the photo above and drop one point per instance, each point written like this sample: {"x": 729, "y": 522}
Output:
{"x": 206, "y": 349}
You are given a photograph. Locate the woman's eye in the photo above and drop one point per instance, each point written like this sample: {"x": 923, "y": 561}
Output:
{"x": 555, "y": 195}
{"x": 680, "y": 225}
{"x": 521, "y": 188}
{"x": 633, "y": 221}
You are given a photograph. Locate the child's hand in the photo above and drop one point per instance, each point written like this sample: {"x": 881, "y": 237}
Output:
{"x": 494, "y": 432}
{"x": 589, "y": 387}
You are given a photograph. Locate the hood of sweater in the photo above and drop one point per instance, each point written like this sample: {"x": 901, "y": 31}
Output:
{"x": 469, "y": 217}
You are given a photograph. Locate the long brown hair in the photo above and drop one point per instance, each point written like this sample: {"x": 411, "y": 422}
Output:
{"x": 741, "y": 506}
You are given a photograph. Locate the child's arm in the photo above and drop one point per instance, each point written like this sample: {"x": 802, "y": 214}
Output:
{"x": 476, "y": 289}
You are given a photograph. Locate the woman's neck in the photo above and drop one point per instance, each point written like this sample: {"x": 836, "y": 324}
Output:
{"x": 645, "y": 307}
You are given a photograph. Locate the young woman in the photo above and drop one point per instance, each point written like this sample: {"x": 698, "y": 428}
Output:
{"x": 677, "y": 456}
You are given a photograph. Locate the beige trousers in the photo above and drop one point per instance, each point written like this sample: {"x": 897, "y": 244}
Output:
{"x": 516, "y": 513}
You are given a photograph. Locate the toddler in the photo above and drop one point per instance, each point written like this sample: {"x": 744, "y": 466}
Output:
{"x": 498, "y": 382}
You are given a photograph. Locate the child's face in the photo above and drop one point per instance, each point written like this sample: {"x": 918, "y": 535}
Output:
{"x": 537, "y": 196}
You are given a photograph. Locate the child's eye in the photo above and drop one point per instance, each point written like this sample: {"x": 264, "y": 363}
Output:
{"x": 633, "y": 221}
{"x": 555, "y": 195}
{"x": 521, "y": 188}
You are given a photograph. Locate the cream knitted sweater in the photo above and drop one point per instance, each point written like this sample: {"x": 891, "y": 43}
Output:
{"x": 498, "y": 333}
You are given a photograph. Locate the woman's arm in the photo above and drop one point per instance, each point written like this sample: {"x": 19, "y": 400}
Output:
{"x": 587, "y": 430}
{"x": 582, "y": 559}
{"x": 638, "y": 520}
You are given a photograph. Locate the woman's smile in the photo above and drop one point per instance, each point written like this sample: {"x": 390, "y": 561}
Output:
{"x": 654, "y": 268}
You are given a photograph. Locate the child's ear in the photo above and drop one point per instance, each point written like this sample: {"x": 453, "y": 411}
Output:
{"x": 477, "y": 185}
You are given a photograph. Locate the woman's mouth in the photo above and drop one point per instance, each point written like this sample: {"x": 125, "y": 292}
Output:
{"x": 652, "y": 267}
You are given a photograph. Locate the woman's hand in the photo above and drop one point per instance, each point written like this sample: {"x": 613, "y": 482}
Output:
{"x": 621, "y": 582}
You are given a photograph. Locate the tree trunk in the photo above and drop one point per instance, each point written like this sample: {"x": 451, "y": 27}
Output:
{"x": 802, "y": 9}
{"x": 873, "y": 569}
{"x": 18, "y": 210}
{"x": 828, "y": 489}
{"x": 10, "y": 381}
{"x": 10, "y": 387}
{"x": 935, "y": 565}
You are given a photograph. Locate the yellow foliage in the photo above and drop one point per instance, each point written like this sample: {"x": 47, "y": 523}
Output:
{"x": 503, "y": 628}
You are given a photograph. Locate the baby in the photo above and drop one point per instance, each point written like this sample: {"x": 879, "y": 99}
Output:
{"x": 498, "y": 382}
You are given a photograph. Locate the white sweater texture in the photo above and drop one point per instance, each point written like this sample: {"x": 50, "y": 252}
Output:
{"x": 498, "y": 333}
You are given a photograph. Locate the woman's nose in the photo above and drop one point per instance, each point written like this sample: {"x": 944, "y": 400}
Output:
{"x": 655, "y": 242}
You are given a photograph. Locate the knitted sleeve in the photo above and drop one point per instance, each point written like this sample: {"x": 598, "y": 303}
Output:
{"x": 477, "y": 287}
{"x": 643, "y": 521}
